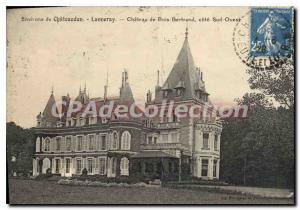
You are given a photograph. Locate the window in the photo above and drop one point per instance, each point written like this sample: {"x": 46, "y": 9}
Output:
{"x": 68, "y": 143}
{"x": 215, "y": 168}
{"x": 125, "y": 140}
{"x": 58, "y": 139}
{"x": 205, "y": 141}
{"x": 115, "y": 138}
{"x": 68, "y": 163}
{"x": 114, "y": 166}
{"x": 165, "y": 138}
{"x": 174, "y": 117}
{"x": 204, "y": 168}
{"x": 91, "y": 139}
{"x": 150, "y": 140}
{"x": 102, "y": 166}
{"x": 166, "y": 118}
{"x": 82, "y": 121}
{"x": 124, "y": 166}
{"x": 154, "y": 139}
{"x": 47, "y": 145}
{"x": 37, "y": 144}
{"x": 90, "y": 165}
{"x": 79, "y": 143}
{"x": 174, "y": 137}
{"x": 92, "y": 120}
{"x": 103, "y": 142}
{"x": 57, "y": 165}
{"x": 179, "y": 92}
{"x": 104, "y": 120}
{"x": 78, "y": 166}
{"x": 151, "y": 110}
{"x": 165, "y": 94}
{"x": 216, "y": 143}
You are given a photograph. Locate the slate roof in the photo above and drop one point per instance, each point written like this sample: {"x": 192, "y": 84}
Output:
{"x": 184, "y": 74}
{"x": 126, "y": 96}
{"x": 47, "y": 113}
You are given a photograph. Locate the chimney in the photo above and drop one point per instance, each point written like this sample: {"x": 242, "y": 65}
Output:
{"x": 149, "y": 96}
{"x": 198, "y": 72}
{"x": 126, "y": 75}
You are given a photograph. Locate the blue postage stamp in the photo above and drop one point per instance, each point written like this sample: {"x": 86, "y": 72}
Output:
{"x": 271, "y": 32}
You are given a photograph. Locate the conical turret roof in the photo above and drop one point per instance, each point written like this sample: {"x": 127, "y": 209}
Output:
{"x": 47, "y": 113}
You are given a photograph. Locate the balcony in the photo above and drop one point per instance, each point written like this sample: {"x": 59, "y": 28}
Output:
{"x": 168, "y": 125}
{"x": 163, "y": 146}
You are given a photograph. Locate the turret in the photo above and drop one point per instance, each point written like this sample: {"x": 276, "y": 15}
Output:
{"x": 126, "y": 96}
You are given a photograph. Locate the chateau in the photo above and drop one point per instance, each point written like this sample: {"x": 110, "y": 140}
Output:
{"x": 161, "y": 147}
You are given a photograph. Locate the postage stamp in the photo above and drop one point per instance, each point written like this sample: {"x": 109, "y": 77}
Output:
{"x": 264, "y": 37}
{"x": 271, "y": 32}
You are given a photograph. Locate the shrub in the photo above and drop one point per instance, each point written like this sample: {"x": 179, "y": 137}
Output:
{"x": 84, "y": 172}
{"x": 48, "y": 171}
{"x": 43, "y": 176}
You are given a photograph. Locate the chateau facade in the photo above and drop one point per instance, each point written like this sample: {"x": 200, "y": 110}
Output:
{"x": 164, "y": 146}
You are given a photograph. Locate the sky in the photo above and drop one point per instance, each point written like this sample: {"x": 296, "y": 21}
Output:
{"x": 65, "y": 55}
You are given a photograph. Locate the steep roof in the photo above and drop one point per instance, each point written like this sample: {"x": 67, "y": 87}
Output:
{"x": 184, "y": 74}
{"x": 126, "y": 95}
{"x": 47, "y": 113}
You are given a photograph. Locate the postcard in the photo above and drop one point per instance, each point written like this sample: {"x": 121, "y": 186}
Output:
{"x": 150, "y": 105}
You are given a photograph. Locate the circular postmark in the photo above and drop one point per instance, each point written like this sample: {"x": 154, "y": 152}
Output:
{"x": 263, "y": 39}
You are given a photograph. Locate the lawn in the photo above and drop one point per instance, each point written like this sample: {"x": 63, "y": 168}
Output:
{"x": 49, "y": 192}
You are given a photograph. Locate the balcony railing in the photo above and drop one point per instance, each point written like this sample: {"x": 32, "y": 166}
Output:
{"x": 168, "y": 125}
{"x": 163, "y": 146}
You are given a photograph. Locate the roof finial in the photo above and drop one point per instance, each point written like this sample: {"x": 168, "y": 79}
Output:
{"x": 186, "y": 31}
{"x": 106, "y": 86}
{"x": 52, "y": 89}
{"x": 80, "y": 89}
{"x": 84, "y": 87}
{"x": 157, "y": 84}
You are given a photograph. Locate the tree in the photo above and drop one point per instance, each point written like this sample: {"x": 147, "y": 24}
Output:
{"x": 259, "y": 150}
{"x": 276, "y": 82}
{"x": 20, "y": 144}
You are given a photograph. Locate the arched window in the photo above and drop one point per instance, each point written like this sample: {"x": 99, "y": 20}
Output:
{"x": 125, "y": 140}
{"x": 47, "y": 144}
{"x": 46, "y": 165}
{"x": 37, "y": 144}
{"x": 124, "y": 166}
{"x": 115, "y": 140}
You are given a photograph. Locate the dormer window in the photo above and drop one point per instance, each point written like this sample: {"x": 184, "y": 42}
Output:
{"x": 199, "y": 93}
{"x": 180, "y": 88}
{"x": 104, "y": 120}
{"x": 59, "y": 124}
{"x": 166, "y": 90}
{"x": 165, "y": 94}
{"x": 179, "y": 92}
